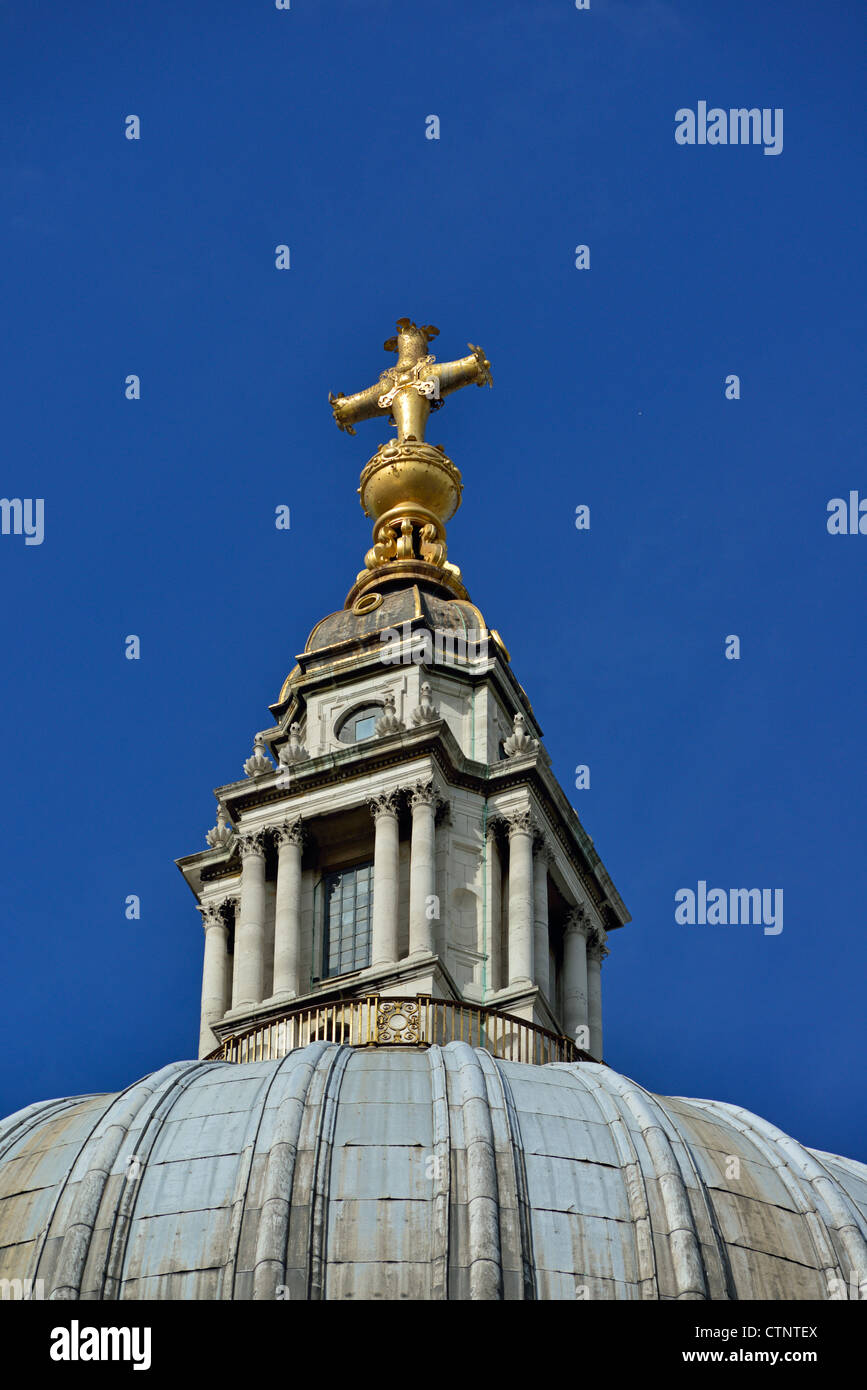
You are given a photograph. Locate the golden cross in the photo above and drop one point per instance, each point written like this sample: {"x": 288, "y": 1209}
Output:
{"x": 414, "y": 386}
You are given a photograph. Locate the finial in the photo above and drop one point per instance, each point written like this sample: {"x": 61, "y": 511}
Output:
{"x": 519, "y": 741}
{"x": 259, "y": 763}
{"x": 221, "y": 835}
{"x": 388, "y": 722}
{"x": 410, "y": 488}
{"x": 415, "y": 385}
{"x": 425, "y": 710}
{"x": 293, "y": 751}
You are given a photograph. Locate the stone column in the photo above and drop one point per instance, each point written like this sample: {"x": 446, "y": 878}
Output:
{"x": 521, "y": 830}
{"x": 215, "y": 973}
{"x": 422, "y": 868}
{"x": 575, "y": 1015}
{"x": 287, "y": 909}
{"x": 248, "y": 983}
{"x": 541, "y": 949}
{"x": 385, "y": 880}
{"x": 493, "y": 903}
{"x": 596, "y": 953}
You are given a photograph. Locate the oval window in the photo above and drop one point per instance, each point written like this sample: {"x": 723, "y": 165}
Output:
{"x": 359, "y": 724}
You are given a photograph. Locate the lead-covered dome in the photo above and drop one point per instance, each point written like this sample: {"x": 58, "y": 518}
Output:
{"x": 378, "y": 609}
{"x": 396, "y": 1173}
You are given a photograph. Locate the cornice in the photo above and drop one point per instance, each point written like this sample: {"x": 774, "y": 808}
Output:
{"x": 357, "y": 663}
{"x": 436, "y": 741}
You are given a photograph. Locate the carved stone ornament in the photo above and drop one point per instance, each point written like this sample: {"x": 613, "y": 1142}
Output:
{"x": 290, "y": 832}
{"x": 388, "y": 722}
{"x": 222, "y": 834}
{"x": 253, "y": 842}
{"x": 519, "y": 742}
{"x": 212, "y": 915}
{"x": 293, "y": 751}
{"x": 384, "y": 805}
{"x": 578, "y": 921}
{"x": 521, "y": 823}
{"x": 422, "y": 794}
{"x": 596, "y": 947}
{"x": 217, "y": 912}
{"x": 259, "y": 763}
{"x": 426, "y": 710}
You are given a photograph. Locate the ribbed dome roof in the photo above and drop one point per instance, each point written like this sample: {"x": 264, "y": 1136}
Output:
{"x": 394, "y": 1173}
{"x": 397, "y": 606}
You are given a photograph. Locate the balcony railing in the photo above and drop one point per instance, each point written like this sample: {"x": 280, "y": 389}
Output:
{"x": 377, "y": 1021}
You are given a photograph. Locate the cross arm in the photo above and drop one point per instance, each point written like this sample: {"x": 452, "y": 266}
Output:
{"x": 348, "y": 410}
{"x": 463, "y": 372}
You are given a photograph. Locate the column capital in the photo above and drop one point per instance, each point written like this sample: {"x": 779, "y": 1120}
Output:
{"x": 290, "y": 832}
{"x": 578, "y": 920}
{"x": 212, "y": 915}
{"x": 596, "y": 947}
{"x": 422, "y": 794}
{"x": 214, "y": 912}
{"x": 385, "y": 804}
{"x": 521, "y": 823}
{"x": 542, "y": 850}
{"x": 252, "y": 842}
{"x": 428, "y": 794}
{"x": 496, "y": 827}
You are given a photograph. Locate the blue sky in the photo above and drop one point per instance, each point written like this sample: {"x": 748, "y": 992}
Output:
{"x": 708, "y": 516}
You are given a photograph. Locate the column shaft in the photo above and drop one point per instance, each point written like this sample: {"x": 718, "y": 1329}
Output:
{"x": 248, "y": 983}
{"x": 385, "y": 881}
{"x": 594, "y": 999}
{"x": 422, "y": 871}
{"x": 520, "y": 899}
{"x": 287, "y": 912}
{"x": 215, "y": 976}
{"x": 493, "y": 910}
{"x": 541, "y": 949}
{"x": 575, "y": 1015}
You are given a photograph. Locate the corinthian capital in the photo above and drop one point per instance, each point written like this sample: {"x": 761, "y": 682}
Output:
{"x": 596, "y": 947}
{"x": 422, "y": 794}
{"x": 578, "y": 921}
{"x": 212, "y": 915}
{"x": 290, "y": 832}
{"x": 252, "y": 842}
{"x": 521, "y": 823}
{"x": 215, "y": 912}
{"x": 383, "y": 805}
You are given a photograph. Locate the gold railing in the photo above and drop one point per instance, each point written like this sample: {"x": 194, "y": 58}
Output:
{"x": 377, "y": 1021}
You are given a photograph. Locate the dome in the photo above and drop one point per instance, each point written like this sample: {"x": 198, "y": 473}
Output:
{"x": 375, "y": 611}
{"x": 399, "y": 1173}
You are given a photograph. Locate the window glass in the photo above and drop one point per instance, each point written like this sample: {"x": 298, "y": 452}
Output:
{"x": 346, "y": 944}
{"x": 359, "y": 724}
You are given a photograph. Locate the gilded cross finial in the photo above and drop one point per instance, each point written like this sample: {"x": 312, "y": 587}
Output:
{"x": 415, "y": 385}
{"x": 410, "y": 488}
